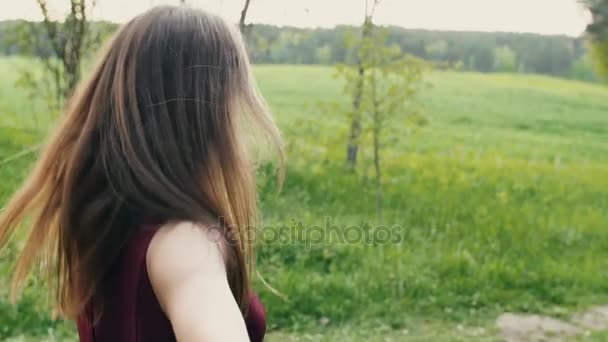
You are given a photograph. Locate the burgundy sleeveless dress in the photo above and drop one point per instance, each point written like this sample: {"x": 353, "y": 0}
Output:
{"x": 132, "y": 312}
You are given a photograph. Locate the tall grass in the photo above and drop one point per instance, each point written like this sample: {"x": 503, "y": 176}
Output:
{"x": 499, "y": 203}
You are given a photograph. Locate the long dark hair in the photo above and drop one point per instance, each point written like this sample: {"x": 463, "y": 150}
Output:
{"x": 164, "y": 127}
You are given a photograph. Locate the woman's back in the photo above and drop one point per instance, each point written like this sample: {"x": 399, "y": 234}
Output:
{"x": 131, "y": 311}
{"x": 164, "y": 125}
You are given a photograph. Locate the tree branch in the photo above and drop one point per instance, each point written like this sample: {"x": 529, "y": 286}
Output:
{"x": 242, "y": 25}
{"x": 376, "y": 3}
{"x": 51, "y": 29}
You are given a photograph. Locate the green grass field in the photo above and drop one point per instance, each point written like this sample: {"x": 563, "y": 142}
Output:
{"x": 499, "y": 203}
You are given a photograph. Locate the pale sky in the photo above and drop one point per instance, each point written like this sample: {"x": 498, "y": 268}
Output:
{"x": 538, "y": 16}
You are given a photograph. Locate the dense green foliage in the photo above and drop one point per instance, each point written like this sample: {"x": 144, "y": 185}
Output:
{"x": 499, "y": 203}
{"x": 598, "y": 32}
{"x": 478, "y": 51}
{"x": 20, "y": 37}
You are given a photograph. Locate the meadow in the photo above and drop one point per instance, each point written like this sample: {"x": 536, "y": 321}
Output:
{"x": 498, "y": 203}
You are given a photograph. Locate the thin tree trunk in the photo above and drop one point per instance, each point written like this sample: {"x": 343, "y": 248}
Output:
{"x": 67, "y": 41}
{"x": 352, "y": 149}
{"x": 377, "y": 166}
{"x": 376, "y": 141}
{"x": 376, "y": 129}
{"x": 77, "y": 27}
{"x": 242, "y": 24}
{"x": 355, "y": 125}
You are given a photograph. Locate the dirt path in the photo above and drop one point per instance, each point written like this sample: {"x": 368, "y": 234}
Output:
{"x": 517, "y": 327}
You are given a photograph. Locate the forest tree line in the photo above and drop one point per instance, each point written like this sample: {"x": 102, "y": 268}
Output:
{"x": 560, "y": 56}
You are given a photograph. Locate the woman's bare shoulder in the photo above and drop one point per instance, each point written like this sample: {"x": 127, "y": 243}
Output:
{"x": 181, "y": 249}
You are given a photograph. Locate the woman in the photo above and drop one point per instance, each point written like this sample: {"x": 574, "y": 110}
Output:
{"x": 141, "y": 207}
